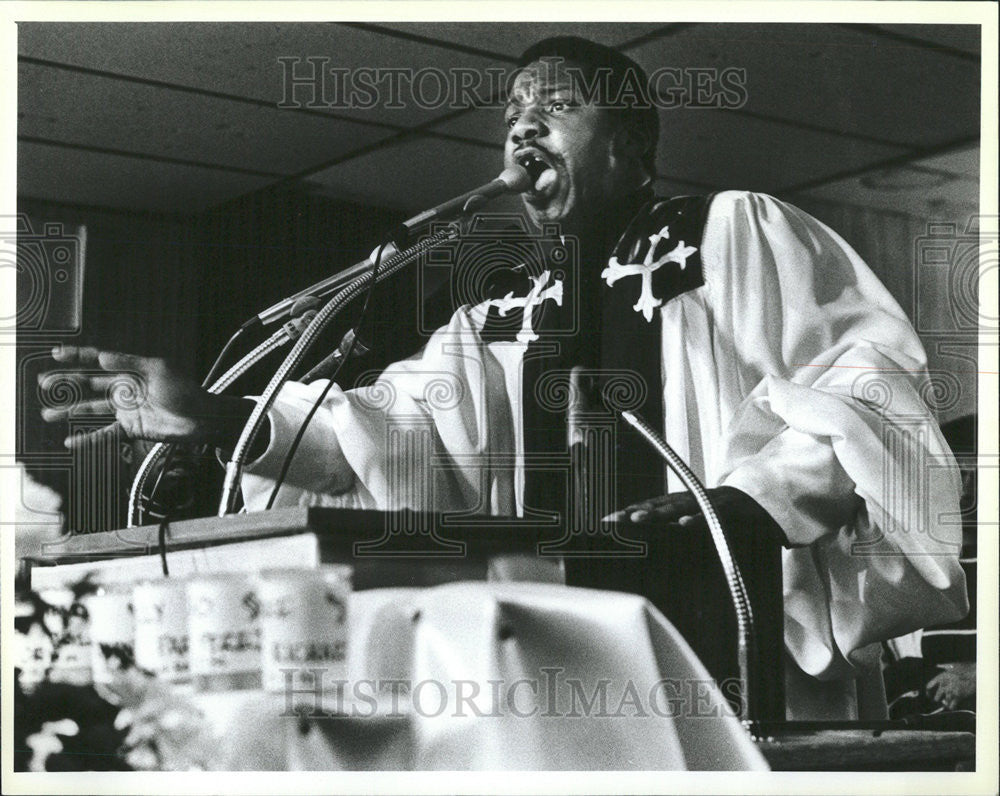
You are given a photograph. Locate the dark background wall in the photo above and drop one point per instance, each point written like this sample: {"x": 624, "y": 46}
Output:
{"x": 177, "y": 286}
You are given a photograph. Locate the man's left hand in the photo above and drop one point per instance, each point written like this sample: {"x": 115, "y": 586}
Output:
{"x": 735, "y": 509}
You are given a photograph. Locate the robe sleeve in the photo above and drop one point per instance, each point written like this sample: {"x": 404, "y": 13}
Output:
{"x": 833, "y": 437}
{"x": 423, "y": 435}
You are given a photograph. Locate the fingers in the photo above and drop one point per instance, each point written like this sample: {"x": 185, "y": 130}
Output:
{"x": 624, "y": 515}
{"x": 97, "y": 381}
{"x": 119, "y": 379}
{"x": 643, "y": 517}
{"x": 81, "y": 438}
{"x": 667, "y": 508}
{"x": 83, "y": 355}
{"x": 58, "y": 379}
{"x": 686, "y": 516}
{"x": 944, "y": 694}
{"x": 106, "y": 360}
{"x": 94, "y": 408}
{"x": 113, "y": 360}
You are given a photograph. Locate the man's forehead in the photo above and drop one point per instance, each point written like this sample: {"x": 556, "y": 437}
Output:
{"x": 543, "y": 77}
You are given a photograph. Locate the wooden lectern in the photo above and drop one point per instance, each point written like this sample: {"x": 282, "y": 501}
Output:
{"x": 676, "y": 570}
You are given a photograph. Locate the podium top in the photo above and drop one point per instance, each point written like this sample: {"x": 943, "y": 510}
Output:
{"x": 340, "y": 531}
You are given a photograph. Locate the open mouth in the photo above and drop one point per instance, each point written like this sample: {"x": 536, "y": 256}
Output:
{"x": 531, "y": 160}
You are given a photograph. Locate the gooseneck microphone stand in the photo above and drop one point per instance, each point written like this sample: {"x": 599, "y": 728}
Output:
{"x": 399, "y": 260}
{"x": 746, "y": 638}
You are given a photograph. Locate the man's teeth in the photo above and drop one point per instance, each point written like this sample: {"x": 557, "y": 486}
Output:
{"x": 534, "y": 166}
{"x": 541, "y": 173}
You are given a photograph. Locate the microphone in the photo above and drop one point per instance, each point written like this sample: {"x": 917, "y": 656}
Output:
{"x": 511, "y": 180}
{"x": 326, "y": 287}
{"x": 349, "y": 343}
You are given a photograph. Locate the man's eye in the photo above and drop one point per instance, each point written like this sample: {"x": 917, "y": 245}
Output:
{"x": 558, "y": 106}
{"x": 511, "y": 121}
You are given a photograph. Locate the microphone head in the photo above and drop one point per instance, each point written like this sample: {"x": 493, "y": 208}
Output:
{"x": 516, "y": 178}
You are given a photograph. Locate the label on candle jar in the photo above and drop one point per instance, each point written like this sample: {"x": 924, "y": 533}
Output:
{"x": 303, "y": 623}
{"x": 224, "y": 631}
{"x": 112, "y": 631}
{"x": 161, "y": 628}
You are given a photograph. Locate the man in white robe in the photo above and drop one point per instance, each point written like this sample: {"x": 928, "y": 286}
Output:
{"x": 791, "y": 381}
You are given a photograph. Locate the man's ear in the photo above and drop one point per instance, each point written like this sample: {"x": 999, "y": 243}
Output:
{"x": 633, "y": 144}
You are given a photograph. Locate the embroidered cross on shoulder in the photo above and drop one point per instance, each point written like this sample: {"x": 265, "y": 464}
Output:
{"x": 540, "y": 291}
{"x": 647, "y": 301}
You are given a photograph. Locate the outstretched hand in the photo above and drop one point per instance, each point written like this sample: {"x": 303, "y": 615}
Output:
{"x": 735, "y": 509}
{"x": 147, "y": 397}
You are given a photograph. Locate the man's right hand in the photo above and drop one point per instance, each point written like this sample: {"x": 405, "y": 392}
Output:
{"x": 147, "y": 397}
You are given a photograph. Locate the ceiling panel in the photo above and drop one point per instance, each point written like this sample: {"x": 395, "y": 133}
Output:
{"x": 86, "y": 109}
{"x": 922, "y": 188}
{"x": 673, "y": 187}
{"x": 964, "y": 162}
{"x": 841, "y": 79}
{"x": 728, "y": 151}
{"x": 925, "y": 202}
{"x": 887, "y": 97}
{"x": 410, "y": 176}
{"x": 485, "y": 125}
{"x": 513, "y": 38}
{"x": 76, "y": 177}
{"x": 967, "y": 38}
{"x": 242, "y": 59}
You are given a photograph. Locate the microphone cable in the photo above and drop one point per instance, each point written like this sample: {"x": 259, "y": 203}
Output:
{"x": 287, "y": 462}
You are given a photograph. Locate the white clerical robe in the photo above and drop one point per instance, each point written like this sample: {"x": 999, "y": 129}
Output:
{"x": 791, "y": 374}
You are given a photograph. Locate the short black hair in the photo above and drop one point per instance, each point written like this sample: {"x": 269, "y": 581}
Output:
{"x": 626, "y": 92}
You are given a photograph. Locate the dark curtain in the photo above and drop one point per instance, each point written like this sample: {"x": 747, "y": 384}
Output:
{"x": 176, "y": 287}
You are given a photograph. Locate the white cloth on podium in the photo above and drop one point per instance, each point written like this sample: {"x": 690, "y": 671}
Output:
{"x": 791, "y": 374}
{"x": 492, "y": 676}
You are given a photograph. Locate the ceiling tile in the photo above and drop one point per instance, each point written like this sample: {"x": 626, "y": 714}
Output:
{"x": 910, "y": 189}
{"x": 960, "y": 37}
{"x": 513, "y": 38}
{"x": 77, "y": 177}
{"x": 964, "y": 162}
{"x": 925, "y": 203}
{"x": 114, "y": 114}
{"x": 729, "y": 151}
{"x": 837, "y": 78}
{"x": 242, "y": 59}
{"x": 410, "y": 176}
{"x": 719, "y": 149}
{"x": 876, "y": 90}
{"x": 482, "y": 124}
